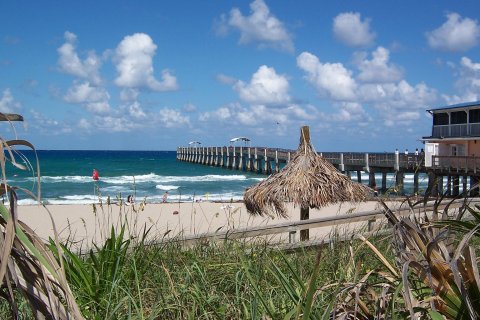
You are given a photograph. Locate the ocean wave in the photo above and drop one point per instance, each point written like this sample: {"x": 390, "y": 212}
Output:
{"x": 58, "y": 179}
{"x": 145, "y": 178}
{"x": 166, "y": 187}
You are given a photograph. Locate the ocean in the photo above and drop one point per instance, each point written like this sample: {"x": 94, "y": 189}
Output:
{"x": 66, "y": 177}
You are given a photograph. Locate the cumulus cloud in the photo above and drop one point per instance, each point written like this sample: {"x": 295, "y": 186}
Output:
{"x": 456, "y": 34}
{"x": 129, "y": 94}
{"x": 265, "y": 87}
{"x": 378, "y": 69}
{"x": 330, "y": 79}
{"x": 467, "y": 82}
{"x": 8, "y": 103}
{"x": 48, "y": 125}
{"x": 351, "y": 111}
{"x": 261, "y": 27}
{"x": 70, "y": 63}
{"x": 261, "y": 116}
{"x": 379, "y": 86}
{"x": 171, "y": 118}
{"x": 94, "y": 99}
{"x": 349, "y": 29}
{"x": 134, "y": 64}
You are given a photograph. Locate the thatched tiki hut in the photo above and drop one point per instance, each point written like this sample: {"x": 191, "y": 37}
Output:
{"x": 308, "y": 180}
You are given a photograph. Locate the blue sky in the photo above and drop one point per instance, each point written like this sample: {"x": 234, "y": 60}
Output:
{"x": 153, "y": 75}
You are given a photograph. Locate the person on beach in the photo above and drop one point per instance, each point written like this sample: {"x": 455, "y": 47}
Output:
{"x": 129, "y": 199}
{"x": 165, "y": 196}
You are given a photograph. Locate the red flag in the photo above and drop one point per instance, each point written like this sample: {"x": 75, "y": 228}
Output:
{"x": 95, "y": 175}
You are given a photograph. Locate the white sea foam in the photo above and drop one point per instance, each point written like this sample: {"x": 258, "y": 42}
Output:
{"x": 166, "y": 187}
{"x": 146, "y": 178}
{"x": 57, "y": 179}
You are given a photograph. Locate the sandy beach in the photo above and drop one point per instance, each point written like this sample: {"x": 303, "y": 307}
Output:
{"x": 79, "y": 223}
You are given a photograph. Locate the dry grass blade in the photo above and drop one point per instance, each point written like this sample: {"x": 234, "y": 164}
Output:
{"x": 27, "y": 266}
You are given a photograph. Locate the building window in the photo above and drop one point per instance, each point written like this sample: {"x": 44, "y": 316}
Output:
{"x": 459, "y": 117}
{"x": 440, "y": 119}
{"x": 474, "y": 116}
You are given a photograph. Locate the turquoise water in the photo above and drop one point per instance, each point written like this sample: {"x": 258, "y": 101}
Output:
{"x": 66, "y": 177}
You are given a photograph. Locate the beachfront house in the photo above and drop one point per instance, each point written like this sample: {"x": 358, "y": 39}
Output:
{"x": 455, "y": 139}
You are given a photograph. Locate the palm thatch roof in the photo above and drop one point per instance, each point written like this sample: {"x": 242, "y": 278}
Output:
{"x": 308, "y": 181}
{"x": 10, "y": 117}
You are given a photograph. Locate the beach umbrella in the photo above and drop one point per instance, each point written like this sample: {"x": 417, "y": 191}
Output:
{"x": 308, "y": 180}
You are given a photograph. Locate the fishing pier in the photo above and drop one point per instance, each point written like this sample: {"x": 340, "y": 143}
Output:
{"x": 263, "y": 160}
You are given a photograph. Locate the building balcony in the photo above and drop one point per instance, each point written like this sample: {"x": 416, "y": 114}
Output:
{"x": 456, "y": 130}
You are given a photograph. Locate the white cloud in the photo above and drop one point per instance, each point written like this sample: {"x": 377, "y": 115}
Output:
{"x": 352, "y": 111}
{"x": 189, "y": 107}
{"x": 456, "y": 34}
{"x": 255, "y": 116}
{"x": 129, "y": 94}
{"x": 349, "y": 29}
{"x": 8, "y": 103}
{"x": 47, "y": 125}
{"x": 225, "y": 79}
{"x": 70, "y": 63}
{"x": 265, "y": 87}
{"x": 386, "y": 92}
{"x": 400, "y": 102}
{"x": 378, "y": 69}
{"x": 136, "y": 111}
{"x": 94, "y": 99}
{"x": 331, "y": 79}
{"x": 172, "y": 118}
{"x": 467, "y": 82}
{"x": 134, "y": 64}
{"x": 260, "y": 26}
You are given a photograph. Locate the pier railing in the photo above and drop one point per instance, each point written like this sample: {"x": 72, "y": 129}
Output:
{"x": 466, "y": 164}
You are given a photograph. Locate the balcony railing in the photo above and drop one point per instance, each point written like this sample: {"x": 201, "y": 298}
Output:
{"x": 456, "y": 130}
{"x": 459, "y": 163}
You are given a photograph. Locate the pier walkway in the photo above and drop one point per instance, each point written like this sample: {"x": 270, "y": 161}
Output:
{"x": 264, "y": 160}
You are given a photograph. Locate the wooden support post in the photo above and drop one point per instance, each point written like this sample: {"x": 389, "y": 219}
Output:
{"x": 229, "y": 163}
{"x": 304, "y": 215}
{"x": 234, "y": 159}
{"x": 266, "y": 163}
{"x": 348, "y": 174}
{"x": 396, "y": 165}
{"x": 255, "y": 161}
{"x": 240, "y": 161}
{"x": 288, "y": 158}
{"x": 367, "y": 166}
{"x": 440, "y": 184}
{"x": 359, "y": 176}
{"x": 222, "y": 160}
{"x": 449, "y": 186}
{"x": 249, "y": 163}
{"x": 342, "y": 165}
{"x": 456, "y": 186}
{"x": 415, "y": 182}
{"x": 371, "y": 180}
{"x": 474, "y": 186}
{"x": 399, "y": 181}
{"x": 277, "y": 164}
{"x": 432, "y": 184}
{"x": 464, "y": 185}
{"x": 384, "y": 182}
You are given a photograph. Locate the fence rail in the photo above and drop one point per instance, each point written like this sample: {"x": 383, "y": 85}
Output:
{"x": 295, "y": 226}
